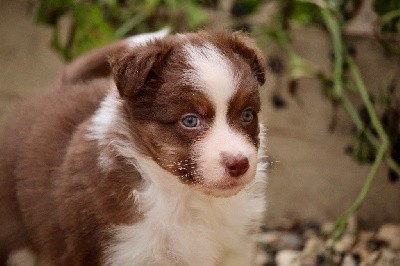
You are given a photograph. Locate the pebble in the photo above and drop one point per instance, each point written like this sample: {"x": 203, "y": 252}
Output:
{"x": 290, "y": 241}
{"x": 313, "y": 247}
{"x": 270, "y": 238}
{"x": 288, "y": 258}
{"x": 349, "y": 261}
{"x": 365, "y": 236}
{"x": 388, "y": 257}
{"x": 327, "y": 228}
{"x": 391, "y": 234}
{"x": 281, "y": 240}
{"x": 345, "y": 243}
{"x": 261, "y": 258}
{"x": 372, "y": 258}
{"x": 352, "y": 225}
{"x": 310, "y": 245}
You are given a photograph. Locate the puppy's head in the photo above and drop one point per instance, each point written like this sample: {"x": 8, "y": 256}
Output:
{"x": 192, "y": 102}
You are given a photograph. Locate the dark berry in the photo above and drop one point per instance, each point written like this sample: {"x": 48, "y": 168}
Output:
{"x": 293, "y": 87}
{"x": 277, "y": 101}
{"x": 392, "y": 88}
{"x": 393, "y": 176}
{"x": 352, "y": 51}
{"x": 345, "y": 66}
{"x": 332, "y": 56}
{"x": 364, "y": 115}
{"x": 238, "y": 10}
{"x": 349, "y": 149}
{"x": 276, "y": 65}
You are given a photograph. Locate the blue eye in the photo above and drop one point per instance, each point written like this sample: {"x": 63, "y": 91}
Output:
{"x": 190, "y": 121}
{"x": 247, "y": 116}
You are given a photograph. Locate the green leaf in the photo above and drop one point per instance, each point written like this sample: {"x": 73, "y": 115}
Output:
{"x": 389, "y": 12}
{"x": 50, "y": 11}
{"x": 196, "y": 16}
{"x": 92, "y": 29}
{"x": 382, "y": 7}
{"x": 305, "y": 13}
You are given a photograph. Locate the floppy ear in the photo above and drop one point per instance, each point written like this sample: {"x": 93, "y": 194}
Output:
{"x": 139, "y": 68}
{"x": 246, "y": 48}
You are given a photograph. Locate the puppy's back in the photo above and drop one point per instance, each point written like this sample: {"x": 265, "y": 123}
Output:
{"x": 33, "y": 142}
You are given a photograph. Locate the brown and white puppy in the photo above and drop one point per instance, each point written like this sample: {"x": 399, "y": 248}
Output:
{"x": 163, "y": 166}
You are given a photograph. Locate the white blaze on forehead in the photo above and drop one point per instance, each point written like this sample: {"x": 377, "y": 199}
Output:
{"x": 211, "y": 72}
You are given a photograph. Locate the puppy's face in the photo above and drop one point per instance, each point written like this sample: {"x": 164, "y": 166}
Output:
{"x": 195, "y": 111}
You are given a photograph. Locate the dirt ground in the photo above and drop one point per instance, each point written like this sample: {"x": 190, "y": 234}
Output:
{"x": 310, "y": 177}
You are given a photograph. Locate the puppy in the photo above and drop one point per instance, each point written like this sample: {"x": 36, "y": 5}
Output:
{"x": 161, "y": 166}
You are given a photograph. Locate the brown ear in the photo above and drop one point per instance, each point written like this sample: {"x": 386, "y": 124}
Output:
{"x": 246, "y": 48}
{"x": 139, "y": 68}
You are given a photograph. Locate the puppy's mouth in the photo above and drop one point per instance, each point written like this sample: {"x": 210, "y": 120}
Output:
{"x": 226, "y": 188}
{"x": 220, "y": 191}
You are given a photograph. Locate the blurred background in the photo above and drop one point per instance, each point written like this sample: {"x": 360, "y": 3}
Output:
{"x": 330, "y": 104}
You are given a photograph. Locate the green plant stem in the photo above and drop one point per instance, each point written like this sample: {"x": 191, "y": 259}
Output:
{"x": 335, "y": 31}
{"x": 389, "y": 16}
{"x": 366, "y": 100}
{"x": 355, "y": 117}
{"x": 382, "y": 150}
{"x": 341, "y": 222}
{"x": 284, "y": 42}
{"x": 334, "y": 28}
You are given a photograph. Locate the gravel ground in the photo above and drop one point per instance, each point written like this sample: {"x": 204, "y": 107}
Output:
{"x": 311, "y": 244}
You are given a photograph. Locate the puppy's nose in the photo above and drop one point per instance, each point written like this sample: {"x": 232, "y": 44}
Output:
{"x": 236, "y": 166}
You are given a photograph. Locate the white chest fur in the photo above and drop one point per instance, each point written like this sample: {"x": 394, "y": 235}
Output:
{"x": 180, "y": 226}
{"x": 183, "y": 227}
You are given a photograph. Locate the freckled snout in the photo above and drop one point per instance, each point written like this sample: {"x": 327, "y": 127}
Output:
{"x": 236, "y": 166}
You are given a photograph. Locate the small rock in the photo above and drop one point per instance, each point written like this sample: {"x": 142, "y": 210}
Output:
{"x": 288, "y": 258}
{"x": 387, "y": 257}
{"x": 360, "y": 252}
{"x": 313, "y": 247}
{"x": 261, "y": 258}
{"x": 337, "y": 259}
{"x": 372, "y": 258}
{"x": 345, "y": 243}
{"x": 290, "y": 241}
{"x": 365, "y": 236}
{"x": 270, "y": 238}
{"x": 327, "y": 228}
{"x": 391, "y": 234}
{"x": 349, "y": 261}
{"x": 352, "y": 224}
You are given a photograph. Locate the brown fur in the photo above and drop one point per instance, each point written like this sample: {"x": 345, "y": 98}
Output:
{"x": 75, "y": 208}
{"x": 148, "y": 78}
{"x": 54, "y": 198}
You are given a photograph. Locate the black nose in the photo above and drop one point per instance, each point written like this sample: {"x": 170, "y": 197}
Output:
{"x": 236, "y": 166}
